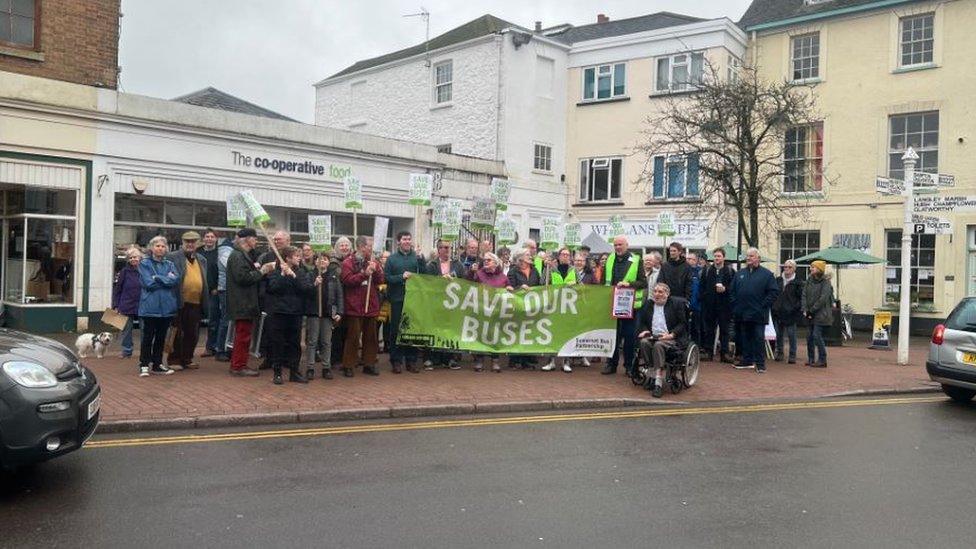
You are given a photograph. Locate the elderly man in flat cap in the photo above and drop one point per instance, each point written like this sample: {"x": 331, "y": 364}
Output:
{"x": 192, "y": 294}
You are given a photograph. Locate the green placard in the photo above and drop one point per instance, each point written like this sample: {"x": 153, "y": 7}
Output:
{"x": 236, "y": 212}
{"x": 320, "y": 232}
{"x": 500, "y": 191}
{"x": 440, "y": 213}
{"x": 451, "y": 230}
{"x": 616, "y": 227}
{"x": 353, "y": 190}
{"x": 421, "y": 187}
{"x": 483, "y": 213}
{"x": 665, "y": 224}
{"x": 549, "y": 236}
{"x": 573, "y": 236}
{"x": 459, "y": 315}
{"x": 258, "y": 215}
{"x": 506, "y": 229}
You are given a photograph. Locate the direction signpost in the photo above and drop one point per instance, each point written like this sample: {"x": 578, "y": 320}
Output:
{"x": 917, "y": 222}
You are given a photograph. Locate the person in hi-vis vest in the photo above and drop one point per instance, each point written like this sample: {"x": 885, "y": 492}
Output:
{"x": 561, "y": 273}
{"x": 624, "y": 270}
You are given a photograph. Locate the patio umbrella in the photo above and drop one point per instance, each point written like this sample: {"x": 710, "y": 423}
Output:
{"x": 840, "y": 256}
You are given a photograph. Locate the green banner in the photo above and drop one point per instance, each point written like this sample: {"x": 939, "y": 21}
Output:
{"x": 455, "y": 314}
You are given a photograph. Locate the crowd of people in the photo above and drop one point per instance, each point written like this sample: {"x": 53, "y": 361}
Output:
{"x": 346, "y": 301}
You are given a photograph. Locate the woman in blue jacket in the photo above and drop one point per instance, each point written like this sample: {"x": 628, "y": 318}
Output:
{"x": 126, "y": 293}
{"x": 157, "y": 306}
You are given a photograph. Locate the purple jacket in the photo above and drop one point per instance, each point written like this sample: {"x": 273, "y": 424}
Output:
{"x": 496, "y": 279}
{"x": 126, "y": 291}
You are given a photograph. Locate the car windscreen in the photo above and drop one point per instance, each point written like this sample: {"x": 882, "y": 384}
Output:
{"x": 963, "y": 317}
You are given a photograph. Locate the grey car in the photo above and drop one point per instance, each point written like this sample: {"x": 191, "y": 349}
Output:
{"x": 49, "y": 402}
{"x": 952, "y": 353}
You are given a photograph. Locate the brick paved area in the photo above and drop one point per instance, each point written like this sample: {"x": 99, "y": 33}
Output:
{"x": 210, "y": 391}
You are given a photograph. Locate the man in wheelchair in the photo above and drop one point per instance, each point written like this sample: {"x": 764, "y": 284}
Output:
{"x": 662, "y": 328}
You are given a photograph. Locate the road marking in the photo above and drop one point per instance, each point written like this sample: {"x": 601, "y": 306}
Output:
{"x": 518, "y": 420}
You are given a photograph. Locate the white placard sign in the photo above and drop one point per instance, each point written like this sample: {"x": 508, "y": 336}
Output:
{"x": 236, "y": 211}
{"x": 421, "y": 188}
{"x": 381, "y": 225}
{"x": 320, "y": 232}
{"x": 353, "y": 190}
{"x": 483, "y": 213}
{"x": 500, "y": 190}
{"x": 506, "y": 231}
{"x": 549, "y": 236}
{"x": 440, "y": 213}
{"x": 451, "y": 230}
{"x": 665, "y": 224}
{"x": 573, "y": 236}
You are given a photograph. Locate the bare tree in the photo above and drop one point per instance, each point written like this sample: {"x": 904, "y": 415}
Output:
{"x": 738, "y": 129}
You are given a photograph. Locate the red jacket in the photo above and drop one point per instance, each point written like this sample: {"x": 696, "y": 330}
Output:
{"x": 354, "y": 282}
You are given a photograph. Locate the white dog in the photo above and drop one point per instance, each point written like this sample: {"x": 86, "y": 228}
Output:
{"x": 87, "y": 343}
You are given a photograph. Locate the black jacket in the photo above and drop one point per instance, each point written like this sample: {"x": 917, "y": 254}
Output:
{"x": 457, "y": 269}
{"x": 709, "y": 297}
{"x": 287, "y": 295}
{"x": 788, "y": 305}
{"x": 675, "y": 316}
{"x": 516, "y": 279}
{"x": 242, "y": 286}
{"x": 331, "y": 294}
{"x": 677, "y": 275}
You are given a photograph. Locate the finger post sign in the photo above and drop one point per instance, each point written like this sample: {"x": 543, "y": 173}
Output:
{"x": 458, "y": 315}
{"x": 320, "y": 232}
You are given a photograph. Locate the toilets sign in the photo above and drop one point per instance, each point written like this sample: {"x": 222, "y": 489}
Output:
{"x": 290, "y": 167}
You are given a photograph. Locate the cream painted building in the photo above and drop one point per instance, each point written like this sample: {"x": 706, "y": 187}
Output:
{"x": 886, "y": 75}
{"x": 614, "y": 84}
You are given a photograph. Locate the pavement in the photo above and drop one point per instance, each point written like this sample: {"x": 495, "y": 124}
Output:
{"x": 856, "y": 472}
{"x": 209, "y": 397}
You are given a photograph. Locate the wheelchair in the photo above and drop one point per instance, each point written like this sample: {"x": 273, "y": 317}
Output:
{"x": 680, "y": 371}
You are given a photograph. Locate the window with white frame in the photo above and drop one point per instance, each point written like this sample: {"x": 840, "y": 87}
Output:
{"x": 803, "y": 159}
{"x": 675, "y": 176}
{"x": 604, "y": 82}
{"x": 919, "y": 131}
{"x": 735, "y": 64}
{"x": 542, "y": 158}
{"x": 805, "y": 56}
{"x": 922, "y": 274}
{"x": 680, "y": 72}
{"x": 917, "y": 39}
{"x": 600, "y": 179}
{"x": 443, "y": 82}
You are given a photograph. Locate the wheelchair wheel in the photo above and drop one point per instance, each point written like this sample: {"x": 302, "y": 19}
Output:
{"x": 640, "y": 375}
{"x": 674, "y": 380}
{"x": 689, "y": 373}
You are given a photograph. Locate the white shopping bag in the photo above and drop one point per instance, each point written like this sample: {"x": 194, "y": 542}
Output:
{"x": 770, "y": 334}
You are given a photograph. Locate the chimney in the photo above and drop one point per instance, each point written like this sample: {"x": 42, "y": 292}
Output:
{"x": 601, "y": 18}
{"x": 538, "y": 26}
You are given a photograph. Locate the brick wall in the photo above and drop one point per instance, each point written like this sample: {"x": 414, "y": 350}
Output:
{"x": 79, "y": 41}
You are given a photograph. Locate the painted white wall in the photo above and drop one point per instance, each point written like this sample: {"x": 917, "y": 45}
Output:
{"x": 397, "y": 101}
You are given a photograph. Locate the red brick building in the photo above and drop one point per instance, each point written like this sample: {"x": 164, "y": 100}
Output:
{"x": 72, "y": 40}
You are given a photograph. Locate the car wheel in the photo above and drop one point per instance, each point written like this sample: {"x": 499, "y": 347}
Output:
{"x": 958, "y": 393}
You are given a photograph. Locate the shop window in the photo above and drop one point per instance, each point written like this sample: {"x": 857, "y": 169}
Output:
{"x": 179, "y": 213}
{"x": 137, "y": 209}
{"x": 922, "y": 275}
{"x": 210, "y": 215}
{"x": 40, "y": 201}
{"x": 919, "y": 131}
{"x": 794, "y": 244}
{"x": 297, "y": 222}
{"x": 39, "y": 250}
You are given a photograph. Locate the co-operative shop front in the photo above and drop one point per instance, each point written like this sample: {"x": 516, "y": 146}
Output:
{"x": 170, "y": 182}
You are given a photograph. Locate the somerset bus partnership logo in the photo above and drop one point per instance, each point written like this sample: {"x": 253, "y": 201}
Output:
{"x": 290, "y": 166}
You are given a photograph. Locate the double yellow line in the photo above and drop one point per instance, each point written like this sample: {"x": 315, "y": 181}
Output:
{"x": 519, "y": 420}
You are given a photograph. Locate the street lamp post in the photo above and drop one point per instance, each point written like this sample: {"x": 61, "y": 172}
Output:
{"x": 904, "y": 310}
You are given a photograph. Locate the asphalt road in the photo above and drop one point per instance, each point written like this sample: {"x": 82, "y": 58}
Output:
{"x": 865, "y": 474}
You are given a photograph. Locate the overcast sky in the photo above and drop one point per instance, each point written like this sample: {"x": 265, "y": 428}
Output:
{"x": 271, "y": 56}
